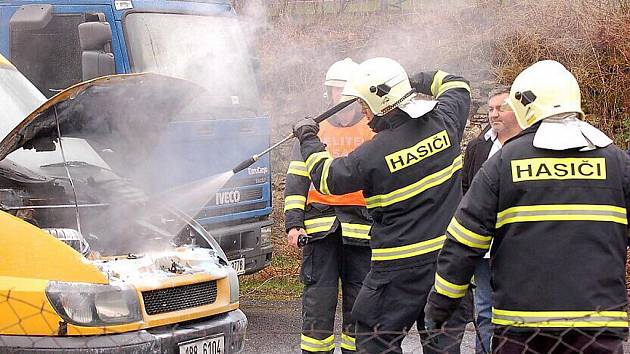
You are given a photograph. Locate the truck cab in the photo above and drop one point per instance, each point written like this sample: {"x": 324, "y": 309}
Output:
{"x": 58, "y": 43}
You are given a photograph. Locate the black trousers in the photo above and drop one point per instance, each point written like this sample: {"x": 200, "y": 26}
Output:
{"x": 392, "y": 300}
{"x": 324, "y": 263}
{"x": 572, "y": 341}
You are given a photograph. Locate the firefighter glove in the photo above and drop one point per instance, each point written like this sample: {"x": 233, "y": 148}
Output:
{"x": 433, "y": 330}
{"x": 305, "y": 129}
{"x": 430, "y": 325}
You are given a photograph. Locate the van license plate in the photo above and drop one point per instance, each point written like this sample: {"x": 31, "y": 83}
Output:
{"x": 214, "y": 345}
{"x": 239, "y": 265}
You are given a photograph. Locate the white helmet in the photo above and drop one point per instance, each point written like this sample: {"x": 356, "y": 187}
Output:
{"x": 543, "y": 90}
{"x": 382, "y": 83}
{"x": 340, "y": 72}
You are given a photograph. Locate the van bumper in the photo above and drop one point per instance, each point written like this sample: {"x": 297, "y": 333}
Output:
{"x": 151, "y": 341}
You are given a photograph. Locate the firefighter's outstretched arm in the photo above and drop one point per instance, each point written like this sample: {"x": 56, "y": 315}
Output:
{"x": 329, "y": 176}
{"x": 469, "y": 236}
{"x": 451, "y": 91}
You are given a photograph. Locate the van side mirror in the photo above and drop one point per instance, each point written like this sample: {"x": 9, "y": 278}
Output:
{"x": 96, "y": 50}
{"x": 31, "y": 17}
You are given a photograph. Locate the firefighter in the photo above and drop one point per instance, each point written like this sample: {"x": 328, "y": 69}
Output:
{"x": 336, "y": 225}
{"x": 552, "y": 206}
{"x": 410, "y": 177}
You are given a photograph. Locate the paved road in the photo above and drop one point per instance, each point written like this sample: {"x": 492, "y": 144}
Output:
{"x": 274, "y": 327}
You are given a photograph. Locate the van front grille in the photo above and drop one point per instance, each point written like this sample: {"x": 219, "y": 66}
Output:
{"x": 180, "y": 297}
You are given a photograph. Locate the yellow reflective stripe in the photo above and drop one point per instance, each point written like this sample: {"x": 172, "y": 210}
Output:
{"x": 323, "y": 184}
{"x": 467, "y": 237}
{"x": 562, "y": 212}
{"x": 402, "y": 194}
{"x": 355, "y": 230}
{"x": 415, "y": 249}
{"x": 437, "y": 81}
{"x": 298, "y": 168}
{"x": 319, "y": 224}
{"x": 317, "y": 345}
{"x": 313, "y": 159}
{"x": 560, "y": 318}
{"x": 446, "y": 288}
{"x": 452, "y": 85}
{"x": 348, "y": 342}
{"x": 294, "y": 202}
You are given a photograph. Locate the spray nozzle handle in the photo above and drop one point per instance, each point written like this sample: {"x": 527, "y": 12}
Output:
{"x": 332, "y": 111}
{"x": 245, "y": 164}
{"x": 250, "y": 161}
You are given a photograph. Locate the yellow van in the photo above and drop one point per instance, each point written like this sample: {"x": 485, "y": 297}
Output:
{"x": 88, "y": 262}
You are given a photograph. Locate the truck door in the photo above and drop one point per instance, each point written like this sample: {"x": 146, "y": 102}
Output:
{"x": 58, "y": 46}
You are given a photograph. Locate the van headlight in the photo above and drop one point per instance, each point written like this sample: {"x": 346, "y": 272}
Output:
{"x": 234, "y": 286}
{"x": 94, "y": 304}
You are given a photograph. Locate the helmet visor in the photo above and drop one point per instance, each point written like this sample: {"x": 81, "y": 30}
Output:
{"x": 505, "y": 106}
{"x": 334, "y": 83}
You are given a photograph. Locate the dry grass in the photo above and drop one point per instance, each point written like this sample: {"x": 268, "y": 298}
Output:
{"x": 591, "y": 38}
{"x": 488, "y": 40}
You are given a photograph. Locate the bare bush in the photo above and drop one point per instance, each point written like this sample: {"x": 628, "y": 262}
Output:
{"x": 591, "y": 38}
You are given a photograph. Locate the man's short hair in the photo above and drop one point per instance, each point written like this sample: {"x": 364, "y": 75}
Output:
{"x": 498, "y": 90}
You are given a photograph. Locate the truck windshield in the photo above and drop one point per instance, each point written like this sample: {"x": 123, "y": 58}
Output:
{"x": 18, "y": 98}
{"x": 208, "y": 50}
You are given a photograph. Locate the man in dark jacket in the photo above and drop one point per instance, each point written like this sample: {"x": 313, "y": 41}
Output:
{"x": 410, "y": 177}
{"x": 552, "y": 206}
{"x": 503, "y": 126}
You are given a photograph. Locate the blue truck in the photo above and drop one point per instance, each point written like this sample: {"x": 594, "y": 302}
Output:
{"x": 58, "y": 43}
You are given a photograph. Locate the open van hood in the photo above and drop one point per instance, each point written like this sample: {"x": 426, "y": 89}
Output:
{"x": 94, "y": 188}
{"x": 119, "y": 102}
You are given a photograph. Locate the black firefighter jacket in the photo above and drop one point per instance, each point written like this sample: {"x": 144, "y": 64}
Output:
{"x": 409, "y": 173}
{"x": 558, "y": 222}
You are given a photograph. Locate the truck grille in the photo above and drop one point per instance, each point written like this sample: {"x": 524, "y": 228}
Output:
{"x": 180, "y": 297}
{"x": 231, "y": 210}
{"x": 245, "y": 195}
{"x": 251, "y": 194}
{"x": 245, "y": 181}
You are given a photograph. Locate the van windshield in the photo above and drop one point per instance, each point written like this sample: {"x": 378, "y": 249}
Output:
{"x": 208, "y": 50}
{"x": 18, "y": 98}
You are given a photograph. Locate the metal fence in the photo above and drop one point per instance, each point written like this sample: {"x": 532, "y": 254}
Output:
{"x": 526, "y": 335}
{"x": 568, "y": 341}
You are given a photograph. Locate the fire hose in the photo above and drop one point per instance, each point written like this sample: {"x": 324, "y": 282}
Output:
{"x": 303, "y": 238}
{"x": 320, "y": 118}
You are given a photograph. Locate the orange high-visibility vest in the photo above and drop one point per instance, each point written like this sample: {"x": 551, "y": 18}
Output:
{"x": 340, "y": 141}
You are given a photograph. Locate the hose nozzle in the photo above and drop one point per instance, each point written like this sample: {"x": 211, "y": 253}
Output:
{"x": 320, "y": 118}
{"x": 245, "y": 164}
